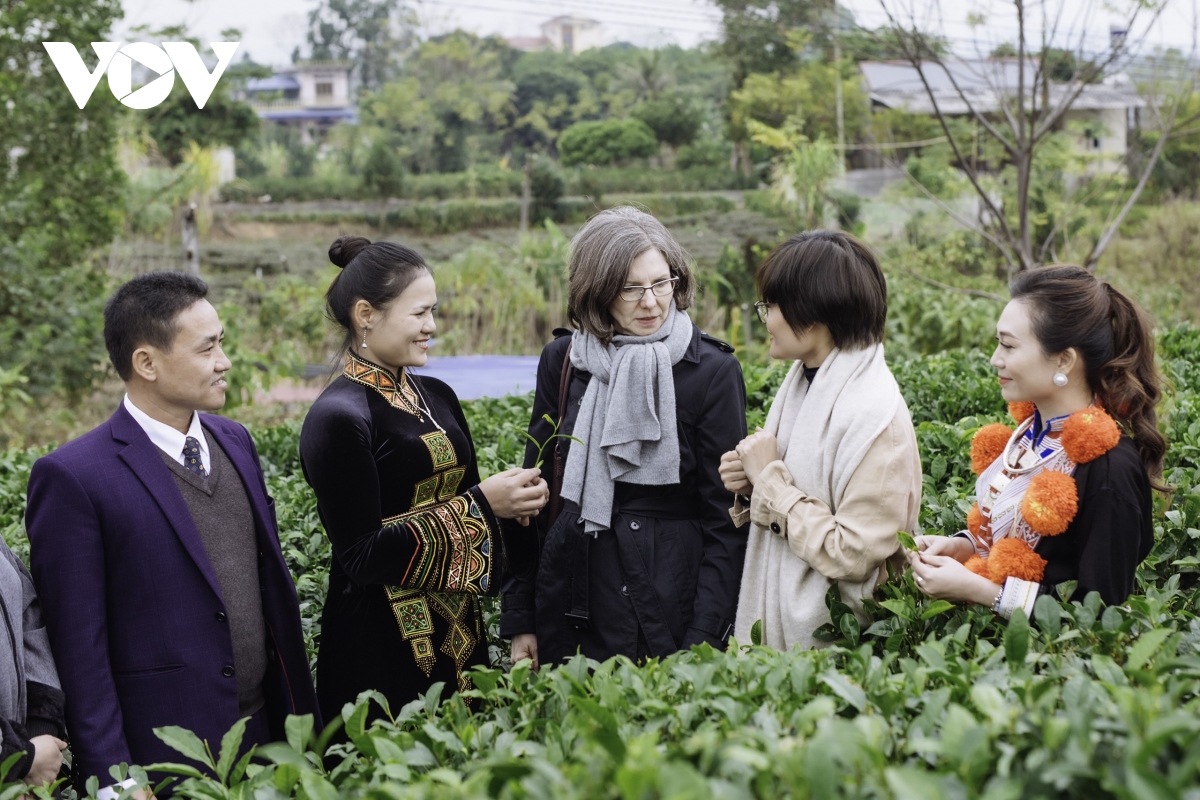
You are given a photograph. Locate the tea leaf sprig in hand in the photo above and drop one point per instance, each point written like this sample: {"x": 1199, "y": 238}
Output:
{"x": 907, "y": 540}
{"x": 554, "y": 434}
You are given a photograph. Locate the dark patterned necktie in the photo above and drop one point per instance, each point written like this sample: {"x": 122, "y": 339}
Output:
{"x": 191, "y": 457}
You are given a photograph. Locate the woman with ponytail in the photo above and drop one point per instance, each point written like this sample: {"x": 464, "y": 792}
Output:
{"x": 1067, "y": 495}
{"x": 416, "y": 535}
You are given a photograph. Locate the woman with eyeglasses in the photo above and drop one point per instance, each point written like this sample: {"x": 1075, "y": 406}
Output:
{"x": 637, "y": 554}
{"x": 835, "y": 474}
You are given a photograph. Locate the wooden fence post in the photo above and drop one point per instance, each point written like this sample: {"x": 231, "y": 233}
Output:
{"x": 526, "y": 192}
{"x": 191, "y": 240}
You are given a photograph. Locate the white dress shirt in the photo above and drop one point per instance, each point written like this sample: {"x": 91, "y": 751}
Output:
{"x": 169, "y": 440}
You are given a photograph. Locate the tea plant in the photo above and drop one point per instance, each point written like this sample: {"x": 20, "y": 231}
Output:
{"x": 920, "y": 699}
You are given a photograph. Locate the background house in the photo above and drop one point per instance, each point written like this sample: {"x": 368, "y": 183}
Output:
{"x": 565, "y": 34}
{"x": 312, "y": 96}
{"x": 1100, "y": 118}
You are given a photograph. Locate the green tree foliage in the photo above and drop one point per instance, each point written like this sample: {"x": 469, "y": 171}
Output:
{"x": 756, "y": 34}
{"x": 550, "y": 95}
{"x": 373, "y": 34}
{"x": 1061, "y": 65}
{"x": 649, "y": 75}
{"x": 383, "y": 172}
{"x": 674, "y": 118}
{"x": 546, "y": 187}
{"x": 60, "y": 197}
{"x": 609, "y": 142}
{"x": 451, "y": 97}
{"x": 177, "y": 121}
{"x": 802, "y": 100}
{"x": 1177, "y": 172}
{"x": 881, "y": 44}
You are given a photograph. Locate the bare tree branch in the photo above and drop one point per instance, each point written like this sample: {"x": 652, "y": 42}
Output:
{"x": 1069, "y": 214}
{"x": 1092, "y": 71}
{"x": 948, "y": 288}
{"x": 1111, "y": 231}
{"x": 1002, "y": 246}
{"x": 968, "y": 168}
{"x": 916, "y": 60}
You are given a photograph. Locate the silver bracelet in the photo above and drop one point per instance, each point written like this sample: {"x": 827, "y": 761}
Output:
{"x": 996, "y": 602}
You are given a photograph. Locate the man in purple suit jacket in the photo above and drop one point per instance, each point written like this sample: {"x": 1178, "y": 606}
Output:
{"x": 155, "y": 550}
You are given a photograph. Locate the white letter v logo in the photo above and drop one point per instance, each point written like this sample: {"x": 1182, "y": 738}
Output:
{"x": 196, "y": 77}
{"x": 80, "y": 83}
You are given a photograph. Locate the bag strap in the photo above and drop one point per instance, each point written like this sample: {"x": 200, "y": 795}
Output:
{"x": 564, "y": 388}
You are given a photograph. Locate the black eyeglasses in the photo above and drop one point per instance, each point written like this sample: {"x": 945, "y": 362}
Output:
{"x": 762, "y": 307}
{"x": 633, "y": 294}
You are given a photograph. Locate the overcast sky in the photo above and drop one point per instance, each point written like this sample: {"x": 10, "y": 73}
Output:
{"x": 272, "y": 28}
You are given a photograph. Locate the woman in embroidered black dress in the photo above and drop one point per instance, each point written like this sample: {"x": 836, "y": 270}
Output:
{"x": 1067, "y": 496}
{"x": 415, "y": 534}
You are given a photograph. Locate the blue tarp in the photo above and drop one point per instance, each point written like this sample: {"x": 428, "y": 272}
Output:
{"x": 315, "y": 114}
{"x": 472, "y": 377}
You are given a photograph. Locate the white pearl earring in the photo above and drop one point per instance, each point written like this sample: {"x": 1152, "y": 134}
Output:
{"x": 1060, "y": 379}
{"x": 364, "y": 344}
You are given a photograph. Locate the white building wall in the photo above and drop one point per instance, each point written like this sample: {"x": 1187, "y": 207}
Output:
{"x": 1109, "y": 139}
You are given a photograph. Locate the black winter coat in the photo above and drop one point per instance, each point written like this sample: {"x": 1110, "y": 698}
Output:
{"x": 666, "y": 576}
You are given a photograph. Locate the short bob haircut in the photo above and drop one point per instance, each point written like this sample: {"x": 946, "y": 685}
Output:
{"x": 828, "y": 277}
{"x": 601, "y": 254}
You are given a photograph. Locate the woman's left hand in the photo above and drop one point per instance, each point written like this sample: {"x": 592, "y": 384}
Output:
{"x": 756, "y": 451}
{"x": 946, "y": 578}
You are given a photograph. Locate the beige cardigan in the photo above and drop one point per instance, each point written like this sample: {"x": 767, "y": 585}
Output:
{"x": 849, "y": 546}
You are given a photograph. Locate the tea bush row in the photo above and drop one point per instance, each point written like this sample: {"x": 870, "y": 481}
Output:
{"x": 927, "y": 700}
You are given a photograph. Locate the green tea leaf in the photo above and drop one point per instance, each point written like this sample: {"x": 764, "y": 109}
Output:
{"x": 906, "y": 540}
{"x": 935, "y": 608}
{"x": 298, "y": 731}
{"x": 1016, "y": 640}
{"x": 843, "y": 688}
{"x": 1145, "y": 647}
{"x": 756, "y": 636}
{"x": 905, "y": 609}
{"x": 184, "y": 741}
{"x": 231, "y": 742}
{"x": 1048, "y": 614}
{"x": 937, "y": 470}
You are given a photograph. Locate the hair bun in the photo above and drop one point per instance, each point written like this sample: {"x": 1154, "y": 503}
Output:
{"x": 345, "y": 248}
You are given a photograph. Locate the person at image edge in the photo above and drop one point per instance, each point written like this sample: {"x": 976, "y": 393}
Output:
{"x": 155, "y": 551}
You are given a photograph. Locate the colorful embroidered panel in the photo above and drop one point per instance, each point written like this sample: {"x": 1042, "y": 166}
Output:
{"x": 440, "y": 449}
{"x": 450, "y": 482}
{"x": 426, "y": 491}
{"x": 455, "y": 546}
{"x": 454, "y": 561}
{"x": 401, "y": 396}
{"x": 416, "y": 625}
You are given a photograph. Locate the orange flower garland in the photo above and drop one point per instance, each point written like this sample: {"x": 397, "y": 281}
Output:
{"x": 978, "y": 565}
{"x": 974, "y": 520}
{"x": 1089, "y": 434}
{"x": 988, "y": 445}
{"x": 1050, "y": 502}
{"x": 1013, "y": 558}
{"x": 1021, "y": 411}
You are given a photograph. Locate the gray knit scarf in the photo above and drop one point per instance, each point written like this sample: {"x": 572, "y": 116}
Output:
{"x": 627, "y": 417}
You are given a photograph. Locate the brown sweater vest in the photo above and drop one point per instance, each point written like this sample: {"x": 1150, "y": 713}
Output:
{"x": 223, "y": 516}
